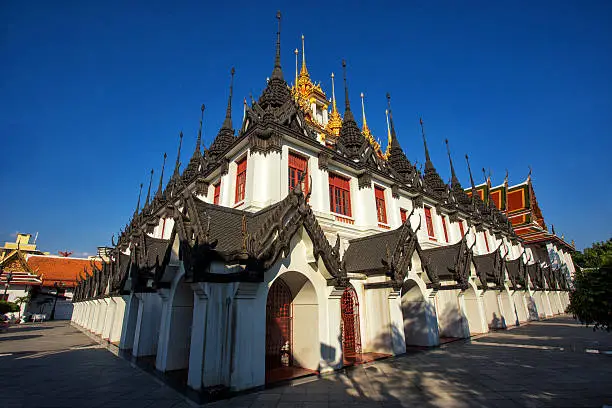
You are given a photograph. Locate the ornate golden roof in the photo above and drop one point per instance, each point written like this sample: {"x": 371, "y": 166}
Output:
{"x": 305, "y": 91}
{"x": 334, "y": 121}
{"x": 368, "y": 134}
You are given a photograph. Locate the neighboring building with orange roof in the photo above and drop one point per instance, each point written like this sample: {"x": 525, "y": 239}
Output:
{"x": 59, "y": 269}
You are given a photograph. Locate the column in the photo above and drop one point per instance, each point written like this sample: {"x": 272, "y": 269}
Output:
{"x": 198, "y": 334}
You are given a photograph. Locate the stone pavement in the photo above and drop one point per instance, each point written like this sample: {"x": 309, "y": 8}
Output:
{"x": 553, "y": 363}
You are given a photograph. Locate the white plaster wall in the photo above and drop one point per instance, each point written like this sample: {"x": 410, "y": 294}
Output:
{"x": 117, "y": 323}
{"x": 450, "y": 319}
{"x": 493, "y": 314}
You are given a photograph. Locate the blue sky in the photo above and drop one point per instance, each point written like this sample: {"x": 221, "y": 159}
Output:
{"x": 93, "y": 93}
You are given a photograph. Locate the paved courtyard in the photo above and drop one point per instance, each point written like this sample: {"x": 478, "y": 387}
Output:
{"x": 553, "y": 363}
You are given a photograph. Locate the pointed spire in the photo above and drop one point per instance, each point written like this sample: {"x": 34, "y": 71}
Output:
{"x": 347, "y": 104}
{"x": 454, "y": 178}
{"x": 225, "y": 137}
{"x": 334, "y": 123}
{"x": 365, "y": 123}
{"x": 396, "y": 157}
{"x": 277, "y": 72}
{"x": 296, "y": 52}
{"x": 228, "y": 111}
{"x": 304, "y": 70}
{"x": 149, "y": 189}
{"x": 199, "y": 139}
{"x": 467, "y": 159}
{"x": 138, "y": 203}
{"x": 244, "y": 108}
{"x": 428, "y": 163}
{"x": 177, "y": 165}
{"x": 161, "y": 177}
{"x": 350, "y": 140}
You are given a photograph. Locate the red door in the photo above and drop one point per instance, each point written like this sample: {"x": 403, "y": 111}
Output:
{"x": 278, "y": 326}
{"x": 351, "y": 336}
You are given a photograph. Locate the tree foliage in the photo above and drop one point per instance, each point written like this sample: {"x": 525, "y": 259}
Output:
{"x": 600, "y": 254}
{"x": 591, "y": 299}
{"x": 7, "y": 307}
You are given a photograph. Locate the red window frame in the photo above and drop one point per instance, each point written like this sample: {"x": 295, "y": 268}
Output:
{"x": 403, "y": 215}
{"x": 298, "y": 165}
{"x": 217, "y": 193}
{"x": 381, "y": 209}
{"x": 339, "y": 194}
{"x": 163, "y": 227}
{"x": 429, "y": 222}
{"x": 444, "y": 228}
{"x": 241, "y": 166}
{"x": 461, "y": 229}
{"x": 484, "y": 235}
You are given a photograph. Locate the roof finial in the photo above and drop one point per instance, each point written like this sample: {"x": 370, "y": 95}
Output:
{"x": 296, "y": 52}
{"x": 506, "y": 178}
{"x": 467, "y": 159}
{"x": 161, "y": 178}
{"x": 149, "y": 189}
{"x": 177, "y": 165}
{"x": 365, "y": 124}
{"x": 277, "y": 60}
{"x": 388, "y": 130}
{"x": 199, "y": 139}
{"x": 450, "y": 159}
{"x": 304, "y": 71}
{"x": 529, "y": 175}
{"x": 347, "y": 104}
{"x": 227, "y": 123}
{"x": 138, "y": 203}
{"x": 334, "y": 109}
{"x": 428, "y": 162}
{"x": 244, "y": 108}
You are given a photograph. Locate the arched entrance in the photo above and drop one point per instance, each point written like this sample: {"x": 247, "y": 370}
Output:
{"x": 292, "y": 328}
{"x": 351, "y": 334}
{"x": 420, "y": 325}
{"x": 181, "y": 319}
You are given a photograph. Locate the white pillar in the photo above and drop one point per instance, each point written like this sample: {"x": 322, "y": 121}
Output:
{"x": 117, "y": 322}
{"x": 147, "y": 325}
{"x": 164, "y": 330}
{"x": 198, "y": 333}
{"x": 396, "y": 325}
{"x": 108, "y": 320}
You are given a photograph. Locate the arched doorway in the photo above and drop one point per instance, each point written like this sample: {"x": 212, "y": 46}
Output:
{"x": 351, "y": 334}
{"x": 293, "y": 347}
{"x": 279, "y": 333}
{"x": 181, "y": 320}
{"x": 420, "y": 325}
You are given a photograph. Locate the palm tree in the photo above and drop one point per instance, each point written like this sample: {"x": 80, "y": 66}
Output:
{"x": 21, "y": 300}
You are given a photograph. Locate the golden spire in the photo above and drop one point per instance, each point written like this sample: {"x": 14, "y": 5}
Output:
{"x": 365, "y": 130}
{"x": 335, "y": 121}
{"x": 388, "y": 149}
{"x": 295, "y": 85}
{"x": 304, "y": 71}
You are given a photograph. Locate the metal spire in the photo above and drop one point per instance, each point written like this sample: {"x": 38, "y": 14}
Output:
{"x": 333, "y": 94}
{"x": 161, "y": 178}
{"x": 277, "y": 72}
{"x": 138, "y": 203}
{"x": 227, "y": 123}
{"x": 296, "y": 68}
{"x": 450, "y": 159}
{"x": 178, "y": 155}
{"x": 199, "y": 139}
{"x": 149, "y": 189}
{"x": 428, "y": 163}
{"x": 467, "y": 159}
{"x": 347, "y": 104}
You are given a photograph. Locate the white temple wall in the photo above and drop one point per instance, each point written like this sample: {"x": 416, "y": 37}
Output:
{"x": 492, "y": 311}
{"x": 265, "y": 178}
{"x": 539, "y": 304}
{"x": 520, "y": 305}
{"x": 420, "y": 323}
{"x": 101, "y": 317}
{"x": 472, "y": 306}
{"x": 147, "y": 325}
{"x": 128, "y": 328}
{"x": 108, "y": 318}
{"x": 450, "y": 318}
{"x": 509, "y": 311}
{"x": 114, "y": 336}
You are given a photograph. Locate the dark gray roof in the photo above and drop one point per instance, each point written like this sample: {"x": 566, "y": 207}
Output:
{"x": 486, "y": 264}
{"x": 366, "y": 254}
{"x": 442, "y": 260}
{"x": 156, "y": 249}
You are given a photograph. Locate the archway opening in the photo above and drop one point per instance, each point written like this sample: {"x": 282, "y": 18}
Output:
{"x": 415, "y": 310}
{"x": 179, "y": 338}
{"x": 350, "y": 328}
{"x": 292, "y": 334}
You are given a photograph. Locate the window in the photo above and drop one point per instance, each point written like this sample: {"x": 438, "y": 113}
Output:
{"x": 381, "y": 211}
{"x": 403, "y": 215}
{"x": 484, "y": 234}
{"x": 217, "y": 193}
{"x": 444, "y": 228}
{"x": 429, "y": 222}
{"x": 240, "y": 179}
{"x": 339, "y": 195}
{"x": 298, "y": 167}
{"x": 461, "y": 228}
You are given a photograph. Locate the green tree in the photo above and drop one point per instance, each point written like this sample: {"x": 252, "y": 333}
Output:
{"x": 591, "y": 299}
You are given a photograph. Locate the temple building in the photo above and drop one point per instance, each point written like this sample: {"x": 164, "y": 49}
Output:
{"x": 297, "y": 245}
